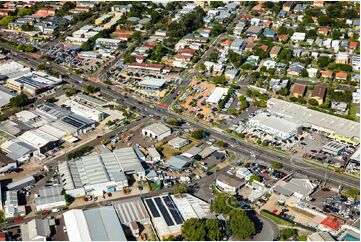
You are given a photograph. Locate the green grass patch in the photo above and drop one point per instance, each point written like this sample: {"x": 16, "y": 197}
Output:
{"x": 275, "y": 218}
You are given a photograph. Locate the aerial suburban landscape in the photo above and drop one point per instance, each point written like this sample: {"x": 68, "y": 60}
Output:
{"x": 180, "y": 120}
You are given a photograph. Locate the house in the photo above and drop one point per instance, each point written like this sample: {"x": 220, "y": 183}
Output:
{"x": 319, "y": 93}
{"x": 269, "y": 63}
{"x": 254, "y": 31}
{"x": 269, "y": 33}
{"x": 231, "y": 73}
{"x": 342, "y": 58}
{"x": 298, "y": 36}
{"x": 341, "y": 75}
{"x": 331, "y": 224}
{"x": 157, "y": 131}
{"x": 244, "y": 173}
{"x": 326, "y": 74}
{"x": 283, "y": 37}
{"x": 275, "y": 51}
{"x": 178, "y": 142}
{"x": 318, "y": 3}
{"x": 353, "y": 45}
{"x": 295, "y": 69}
{"x": 323, "y": 30}
{"x": 298, "y": 90}
{"x": 228, "y": 184}
{"x": 287, "y": 6}
{"x": 296, "y": 187}
{"x": 312, "y": 72}
{"x": 355, "y": 61}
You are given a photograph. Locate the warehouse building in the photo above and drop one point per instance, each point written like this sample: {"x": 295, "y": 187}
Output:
{"x": 191, "y": 207}
{"x": 338, "y": 128}
{"x": 156, "y": 131}
{"x": 36, "y": 230}
{"x": 273, "y": 125}
{"x": 7, "y": 164}
{"x": 165, "y": 216}
{"x": 17, "y": 150}
{"x": 96, "y": 224}
{"x": 5, "y": 96}
{"x": 177, "y": 163}
{"x": 132, "y": 210}
{"x": 17, "y": 185}
{"x": 40, "y": 140}
{"x": 178, "y": 142}
{"x": 51, "y": 112}
{"x": 94, "y": 174}
{"x": 49, "y": 198}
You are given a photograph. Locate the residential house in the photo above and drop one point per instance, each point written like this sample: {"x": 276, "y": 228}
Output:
{"x": 342, "y": 58}
{"x": 275, "y": 51}
{"x": 295, "y": 69}
{"x": 341, "y": 75}
{"x": 319, "y": 93}
{"x": 254, "y": 31}
{"x": 326, "y": 74}
{"x": 298, "y": 90}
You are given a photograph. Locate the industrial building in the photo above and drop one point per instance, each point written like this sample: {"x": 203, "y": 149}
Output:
{"x": 13, "y": 69}
{"x": 94, "y": 174}
{"x": 273, "y": 125}
{"x": 338, "y": 128}
{"x": 229, "y": 184}
{"x": 85, "y": 111}
{"x": 130, "y": 210}
{"x": 177, "y": 163}
{"x": 165, "y": 216}
{"x": 333, "y": 148}
{"x": 96, "y": 224}
{"x": 49, "y": 198}
{"x": 178, "y": 142}
{"x": 156, "y": 131}
{"x": 5, "y": 96}
{"x": 107, "y": 43}
{"x": 298, "y": 188}
{"x": 17, "y": 185}
{"x": 11, "y": 205}
{"x": 40, "y": 140}
{"x": 36, "y": 230}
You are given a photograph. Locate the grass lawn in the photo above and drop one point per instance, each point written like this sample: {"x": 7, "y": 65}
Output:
{"x": 276, "y": 219}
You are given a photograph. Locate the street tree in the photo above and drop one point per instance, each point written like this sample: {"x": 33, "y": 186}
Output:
{"x": 241, "y": 226}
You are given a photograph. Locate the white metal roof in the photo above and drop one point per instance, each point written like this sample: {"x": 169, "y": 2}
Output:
{"x": 157, "y": 128}
{"x": 152, "y": 82}
{"x": 275, "y": 123}
{"x": 5, "y": 96}
{"x": 76, "y": 225}
{"x": 325, "y": 121}
{"x": 217, "y": 94}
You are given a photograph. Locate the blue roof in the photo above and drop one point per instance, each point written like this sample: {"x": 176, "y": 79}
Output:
{"x": 269, "y": 33}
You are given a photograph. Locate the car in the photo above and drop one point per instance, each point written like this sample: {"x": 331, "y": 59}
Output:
{"x": 64, "y": 229}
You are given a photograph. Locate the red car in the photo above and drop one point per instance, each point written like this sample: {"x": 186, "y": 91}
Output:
{"x": 275, "y": 211}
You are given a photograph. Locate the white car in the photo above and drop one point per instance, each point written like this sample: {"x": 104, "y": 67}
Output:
{"x": 64, "y": 228}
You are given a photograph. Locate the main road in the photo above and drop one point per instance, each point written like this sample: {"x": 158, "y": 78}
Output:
{"x": 243, "y": 147}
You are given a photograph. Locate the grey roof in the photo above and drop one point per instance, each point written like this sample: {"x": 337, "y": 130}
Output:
{"x": 94, "y": 169}
{"x": 206, "y": 152}
{"x": 282, "y": 190}
{"x": 104, "y": 225}
{"x": 13, "y": 127}
{"x": 17, "y": 148}
{"x": 51, "y": 111}
{"x": 92, "y": 99}
{"x": 131, "y": 210}
{"x": 302, "y": 114}
{"x": 193, "y": 151}
{"x": 49, "y": 195}
{"x": 177, "y": 162}
{"x": 157, "y": 128}
{"x": 11, "y": 198}
{"x": 5, "y": 96}
{"x": 26, "y": 180}
{"x": 34, "y": 228}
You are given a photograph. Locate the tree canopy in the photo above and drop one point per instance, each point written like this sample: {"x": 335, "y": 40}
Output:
{"x": 241, "y": 226}
{"x": 194, "y": 229}
{"x": 19, "y": 100}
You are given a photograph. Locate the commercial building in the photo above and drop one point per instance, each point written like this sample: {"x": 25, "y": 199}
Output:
{"x": 5, "y": 96}
{"x": 84, "y": 110}
{"x": 40, "y": 140}
{"x": 13, "y": 69}
{"x": 96, "y": 224}
{"x": 157, "y": 131}
{"x": 11, "y": 205}
{"x": 228, "y": 184}
{"x": 107, "y": 43}
{"x": 49, "y": 198}
{"x": 132, "y": 210}
{"x": 192, "y": 152}
{"x": 33, "y": 83}
{"x": 333, "y": 148}
{"x": 244, "y": 173}
{"x": 217, "y": 94}
{"x": 178, "y": 142}
{"x": 36, "y": 229}
{"x": 165, "y": 216}
{"x": 154, "y": 154}
{"x": 191, "y": 207}
{"x": 338, "y": 128}
{"x": 273, "y": 125}
{"x": 7, "y": 164}
{"x": 299, "y": 188}
{"x": 94, "y": 174}
{"x": 152, "y": 83}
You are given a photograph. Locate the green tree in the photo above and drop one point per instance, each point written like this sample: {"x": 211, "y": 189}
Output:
{"x": 213, "y": 57}
{"x": 241, "y": 226}
{"x": 6, "y": 20}
{"x": 90, "y": 89}
{"x": 19, "y": 100}
{"x": 276, "y": 165}
{"x": 202, "y": 66}
{"x": 216, "y": 4}
{"x": 223, "y": 203}
{"x": 288, "y": 233}
{"x": 323, "y": 61}
{"x": 198, "y": 134}
{"x": 254, "y": 178}
{"x": 353, "y": 193}
{"x": 313, "y": 102}
{"x": 304, "y": 73}
{"x": 283, "y": 91}
{"x": 194, "y": 230}
{"x": 214, "y": 230}
{"x": 128, "y": 58}
{"x": 24, "y": 11}
{"x": 180, "y": 189}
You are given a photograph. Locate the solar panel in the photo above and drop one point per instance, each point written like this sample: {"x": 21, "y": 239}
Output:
{"x": 152, "y": 208}
{"x": 73, "y": 121}
{"x": 164, "y": 211}
{"x": 173, "y": 210}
